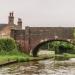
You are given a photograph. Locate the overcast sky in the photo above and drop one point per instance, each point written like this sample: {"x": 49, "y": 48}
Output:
{"x": 39, "y": 12}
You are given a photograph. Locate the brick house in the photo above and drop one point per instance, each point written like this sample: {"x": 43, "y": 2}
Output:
{"x": 5, "y": 29}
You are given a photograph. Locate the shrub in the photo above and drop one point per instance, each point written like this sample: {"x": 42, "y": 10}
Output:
{"x": 7, "y": 45}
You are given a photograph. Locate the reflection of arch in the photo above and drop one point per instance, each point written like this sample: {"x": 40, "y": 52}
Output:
{"x": 36, "y": 49}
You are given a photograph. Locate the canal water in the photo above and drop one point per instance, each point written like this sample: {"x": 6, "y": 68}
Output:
{"x": 42, "y": 67}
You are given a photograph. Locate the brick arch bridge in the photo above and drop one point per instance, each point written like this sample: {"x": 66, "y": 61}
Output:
{"x": 35, "y": 50}
{"x": 30, "y": 37}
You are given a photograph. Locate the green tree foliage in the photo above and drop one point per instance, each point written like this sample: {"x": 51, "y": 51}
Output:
{"x": 63, "y": 47}
{"x": 59, "y": 47}
{"x": 7, "y": 45}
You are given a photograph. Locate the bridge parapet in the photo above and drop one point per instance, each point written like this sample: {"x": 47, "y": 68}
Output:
{"x": 32, "y": 36}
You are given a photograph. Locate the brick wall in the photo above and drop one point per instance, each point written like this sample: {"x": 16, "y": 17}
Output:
{"x": 32, "y": 36}
{"x": 5, "y": 32}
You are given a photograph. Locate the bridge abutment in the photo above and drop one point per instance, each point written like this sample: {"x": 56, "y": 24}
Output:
{"x": 32, "y": 36}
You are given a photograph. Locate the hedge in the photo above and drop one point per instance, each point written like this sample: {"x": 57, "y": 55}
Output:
{"x": 7, "y": 45}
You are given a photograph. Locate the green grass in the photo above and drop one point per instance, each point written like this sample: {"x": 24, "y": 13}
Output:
{"x": 65, "y": 56}
{"x": 6, "y": 57}
{"x": 9, "y": 51}
{"x": 70, "y": 55}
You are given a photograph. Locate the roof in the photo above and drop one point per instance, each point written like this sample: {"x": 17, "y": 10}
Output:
{"x": 2, "y": 26}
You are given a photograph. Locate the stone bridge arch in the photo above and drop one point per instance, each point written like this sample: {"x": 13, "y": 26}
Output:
{"x": 33, "y": 36}
{"x": 42, "y": 42}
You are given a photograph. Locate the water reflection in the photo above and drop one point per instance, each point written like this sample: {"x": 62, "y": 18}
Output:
{"x": 43, "y": 67}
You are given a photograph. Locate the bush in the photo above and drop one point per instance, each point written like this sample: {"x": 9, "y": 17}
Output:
{"x": 7, "y": 45}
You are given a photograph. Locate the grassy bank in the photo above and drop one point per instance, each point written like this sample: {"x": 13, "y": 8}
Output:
{"x": 9, "y": 51}
{"x": 65, "y": 56}
{"x": 12, "y": 57}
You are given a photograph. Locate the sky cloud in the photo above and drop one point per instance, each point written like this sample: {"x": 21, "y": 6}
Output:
{"x": 40, "y": 12}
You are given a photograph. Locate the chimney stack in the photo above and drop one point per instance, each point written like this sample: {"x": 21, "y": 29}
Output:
{"x": 20, "y": 23}
{"x": 11, "y": 18}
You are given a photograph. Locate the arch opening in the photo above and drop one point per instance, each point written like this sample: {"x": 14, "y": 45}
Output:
{"x": 61, "y": 47}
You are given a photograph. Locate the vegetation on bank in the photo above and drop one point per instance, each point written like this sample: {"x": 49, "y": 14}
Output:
{"x": 59, "y": 47}
{"x": 65, "y": 56}
{"x": 9, "y": 51}
{"x": 63, "y": 50}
